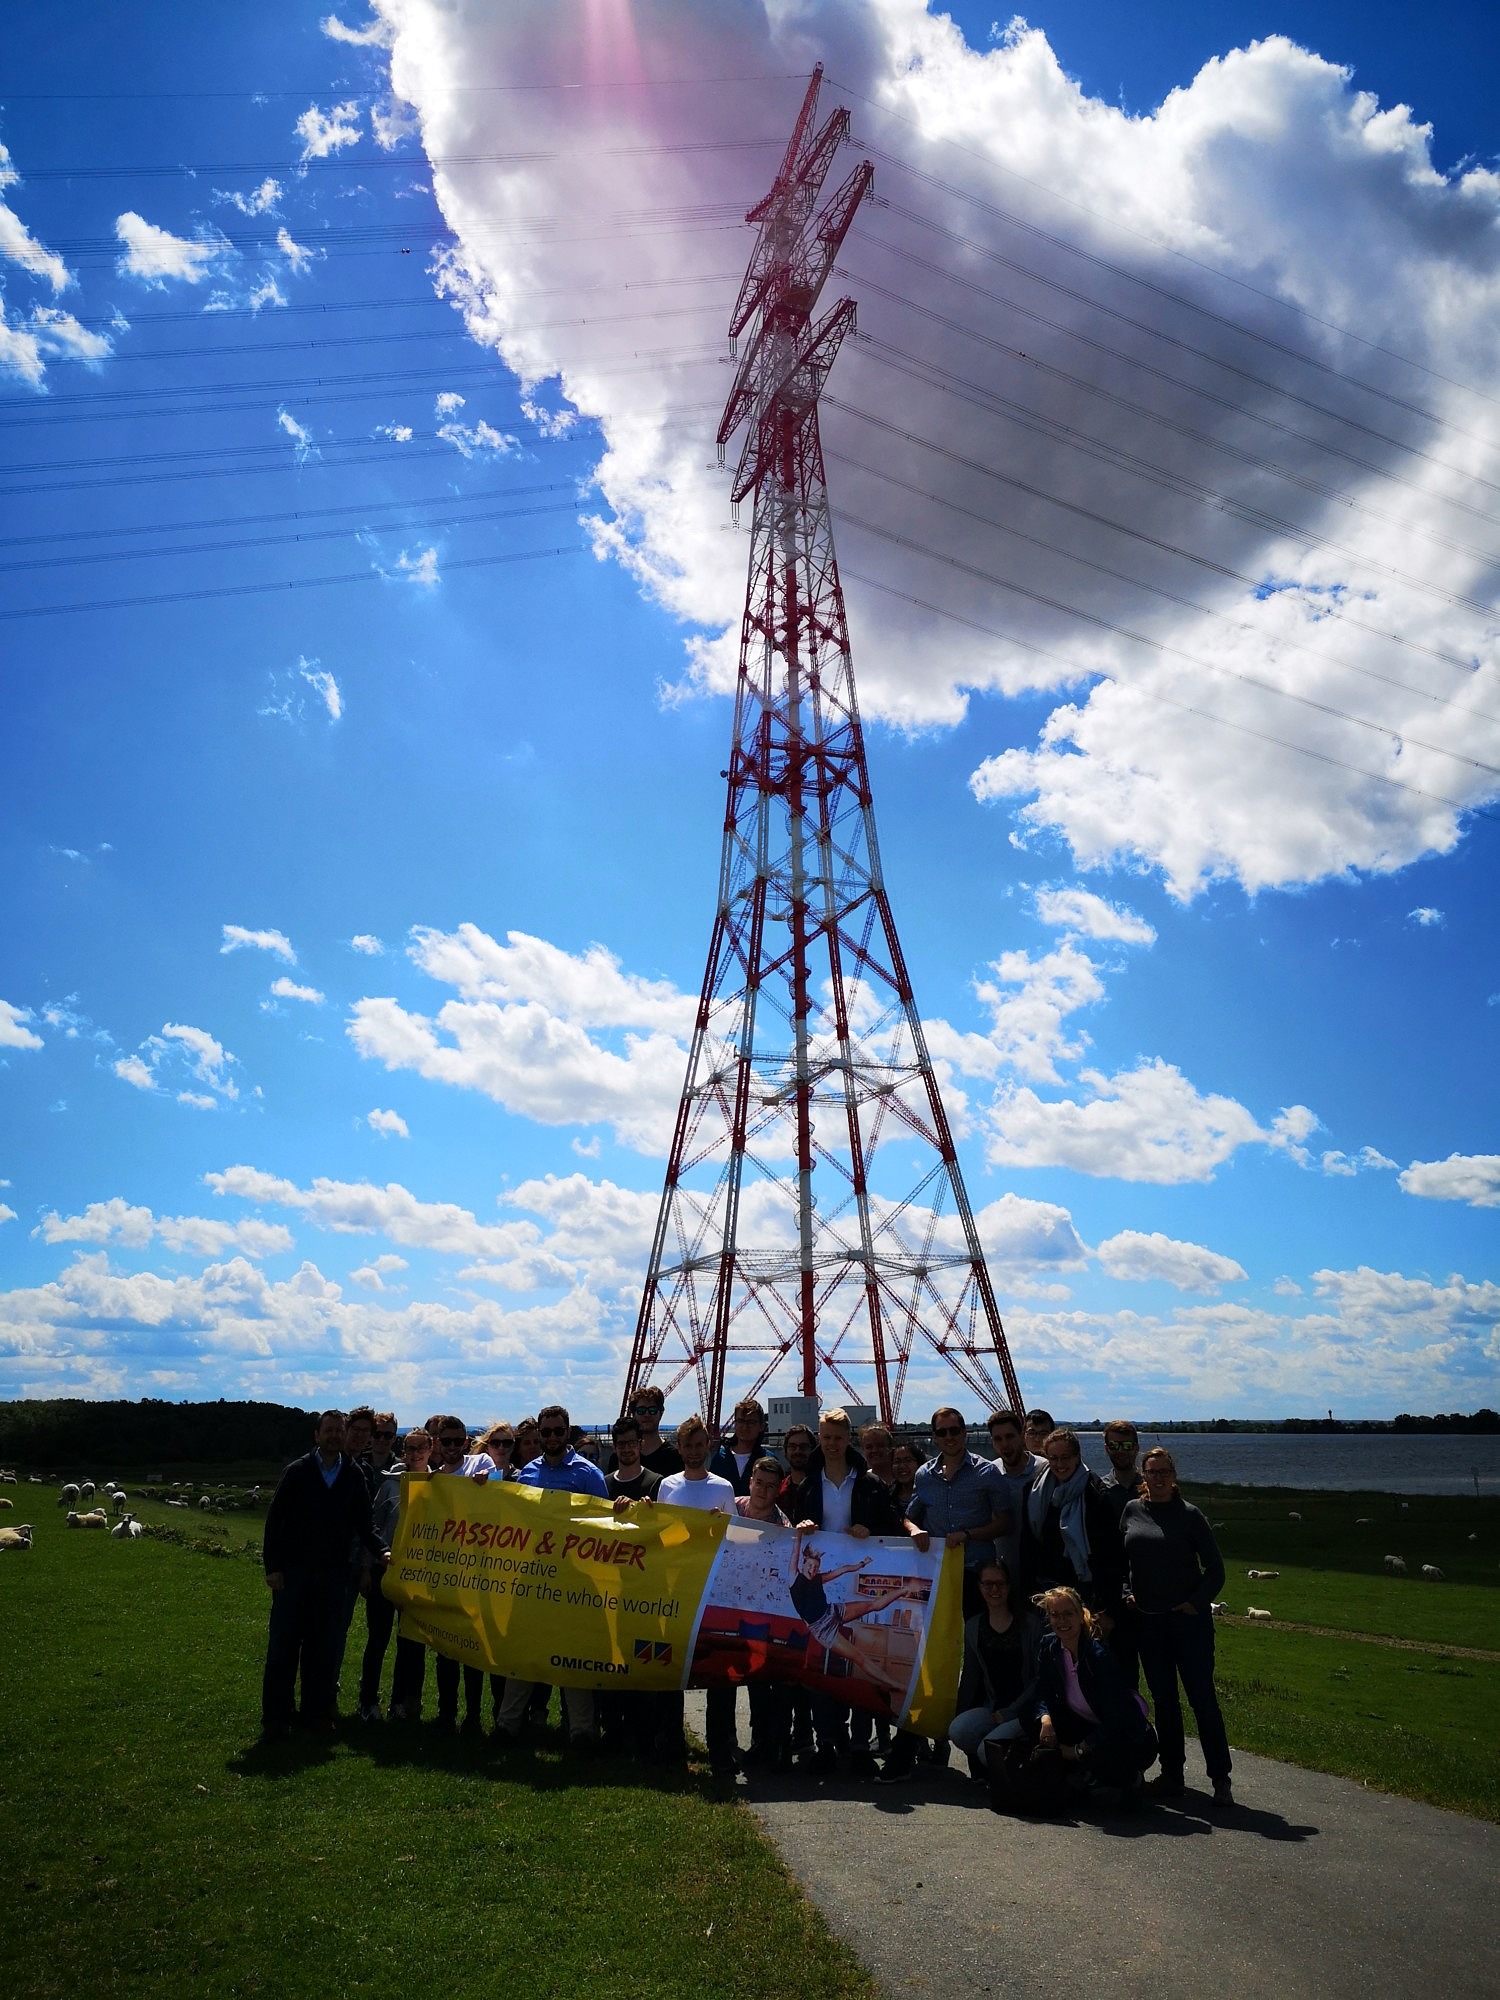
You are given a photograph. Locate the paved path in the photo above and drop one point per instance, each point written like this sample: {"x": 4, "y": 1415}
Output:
{"x": 1312, "y": 1886}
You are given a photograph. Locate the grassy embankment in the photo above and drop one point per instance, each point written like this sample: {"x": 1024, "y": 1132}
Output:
{"x": 150, "y": 1850}
{"x": 1424, "y": 1723}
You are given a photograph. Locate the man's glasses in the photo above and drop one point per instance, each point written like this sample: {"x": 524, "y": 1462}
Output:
{"x": 412, "y": 1445}
{"x": 383, "y": 1434}
{"x": 552, "y": 1430}
{"x": 453, "y": 1438}
{"x": 948, "y": 1430}
{"x": 647, "y": 1409}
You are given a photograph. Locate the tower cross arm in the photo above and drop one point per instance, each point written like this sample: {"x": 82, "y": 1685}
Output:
{"x": 790, "y": 202}
{"x": 801, "y": 382}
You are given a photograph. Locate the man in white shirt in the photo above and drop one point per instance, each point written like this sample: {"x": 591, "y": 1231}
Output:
{"x": 695, "y": 1485}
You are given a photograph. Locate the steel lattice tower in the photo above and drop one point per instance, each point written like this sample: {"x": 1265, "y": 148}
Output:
{"x": 808, "y": 1061}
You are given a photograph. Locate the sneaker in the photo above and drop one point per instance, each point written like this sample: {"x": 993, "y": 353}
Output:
{"x": 398, "y": 1712}
{"x": 863, "y": 1766}
{"x": 369, "y": 1711}
{"x": 892, "y": 1773}
{"x": 1223, "y": 1792}
{"x": 1167, "y": 1785}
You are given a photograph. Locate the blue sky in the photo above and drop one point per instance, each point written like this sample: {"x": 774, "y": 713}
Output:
{"x": 352, "y": 923}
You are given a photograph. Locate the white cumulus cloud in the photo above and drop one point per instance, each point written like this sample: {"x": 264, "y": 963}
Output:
{"x": 14, "y": 1034}
{"x": 288, "y": 989}
{"x": 1470, "y": 1177}
{"x": 1072, "y": 400}
{"x": 1080, "y": 911}
{"x": 118, "y": 1221}
{"x": 1145, "y": 1124}
{"x": 389, "y": 1124}
{"x": 327, "y": 132}
{"x": 18, "y": 245}
{"x": 367, "y": 943}
{"x": 156, "y": 256}
{"x": 237, "y": 938}
{"x": 1139, "y": 1257}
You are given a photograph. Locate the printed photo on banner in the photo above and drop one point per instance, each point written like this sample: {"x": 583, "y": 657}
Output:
{"x": 843, "y": 1617}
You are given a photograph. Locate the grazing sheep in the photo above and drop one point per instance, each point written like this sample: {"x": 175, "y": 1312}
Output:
{"x": 1363, "y": 1521}
{"x": 8, "y": 1479}
{"x": 1406, "y": 1506}
{"x": 68, "y": 1497}
{"x": 1294, "y": 1517}
{"x": 87, "y": 1490}
{"x": 15, "y": 1538}
{"x": 1263, "y": 1575}
{"x": 1396, "y": 1565}
{"x": 119, "y": 1498}
{"x": 205, "y": 1503}
{"x": 1251, "y": 1612}
{"x": 174, "y": 1503}
{"x": 1218, "y": 1609}
{"x": 7, "y": 1503}
{"x": 1473, "y": 1538}
{"x": 97, "y": 1519}
{"x": 1433, "y": 1574}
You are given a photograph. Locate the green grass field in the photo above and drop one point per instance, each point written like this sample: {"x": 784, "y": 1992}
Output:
{"x": 149, "y": 1850}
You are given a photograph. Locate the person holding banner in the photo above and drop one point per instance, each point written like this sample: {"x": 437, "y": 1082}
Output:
{"x": 630, "y": 1479}
{"x": 695, "y": 1485}
{"x": 454, "y": 1460}
{"x": 560, "y": 1469}
{"x": 745, "y": 1444}
{"x": 997, "y": 1691}
{"x": 962, "y": 1498}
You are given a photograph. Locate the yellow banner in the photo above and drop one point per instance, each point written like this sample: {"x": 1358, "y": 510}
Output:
{"x": 555, "y": 1587}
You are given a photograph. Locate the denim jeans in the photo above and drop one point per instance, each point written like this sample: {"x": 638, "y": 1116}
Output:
{"x": 409, "y": 1677}
{"x": 1178, "y": 1644}
{"x": 976, "y": 1727}
{"x": 380, "y": 1616}
{"x": 303, "y": 1638}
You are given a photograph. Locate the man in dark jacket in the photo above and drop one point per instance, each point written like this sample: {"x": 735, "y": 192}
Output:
{"x": 841, "y": 1494}
{"x": 737, "y": 1453}
{"x": 320, "y": 1509}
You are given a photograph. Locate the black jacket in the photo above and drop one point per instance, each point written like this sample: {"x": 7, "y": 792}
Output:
{"x": 722, "y": 1464}
{"x": 872, "y": 1504}
{"x": 1045, "y": 1560}
{"x": 974, "y": 1689}
{"x": 1102, "y": 1683}
{"x": 312, "y": 1525}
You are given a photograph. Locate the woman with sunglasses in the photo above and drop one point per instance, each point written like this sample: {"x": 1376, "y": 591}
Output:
{"x": 499, "y": 1444}
{"x": 1175, "y": 1571}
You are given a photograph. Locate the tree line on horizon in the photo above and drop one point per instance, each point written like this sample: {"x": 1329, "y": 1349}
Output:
{"x": 60, "y": 1433}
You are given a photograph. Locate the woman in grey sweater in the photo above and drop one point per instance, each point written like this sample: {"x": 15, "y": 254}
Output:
{"x": 1173, "y": 1571}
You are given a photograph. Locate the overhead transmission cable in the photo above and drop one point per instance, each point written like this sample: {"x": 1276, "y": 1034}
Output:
{"x": 1190, "y": 431}
{"x": 1135, "y": 687}
{"x": 1329, "y": 609}
{"x": 1116, "y": 223}
{"x": 1058, "y": 431}
{"x": 1164, "y": 646}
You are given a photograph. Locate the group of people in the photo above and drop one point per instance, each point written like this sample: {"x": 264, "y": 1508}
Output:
{"x": 1074, "y": 1587}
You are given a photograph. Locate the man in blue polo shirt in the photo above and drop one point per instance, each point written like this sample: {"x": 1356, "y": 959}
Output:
{"x": 963, "y": 1498}
{"x": 562, "y": 1470}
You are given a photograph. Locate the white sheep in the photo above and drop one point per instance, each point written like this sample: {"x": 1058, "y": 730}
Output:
{"x": 127, "y": 1529}
{"x": 1251, "y": 1612}
{"x": 68, "y": 1497}
{"x": 205, "y": 1503}
{"x": 87, "y": 1490}
{"x": 119, "y": 1497}
{"x": 1263, "y": 1575}
{"x": 1363, "y": 1521}
{"x": 1396, "y": 1565}
{"x": 8, "y": 1479}
{"x": 1218, "y": 1609}
{"x": 16, "y": 1538}
{"x": 1294, "y": 1517}
{"x": 7, "y": 1503}
{"x": 96, "y": 1519}
{"x": 1433, "y": 1574}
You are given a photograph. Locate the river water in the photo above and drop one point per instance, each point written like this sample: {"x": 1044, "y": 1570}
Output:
{"x": 1386, "y": 1462}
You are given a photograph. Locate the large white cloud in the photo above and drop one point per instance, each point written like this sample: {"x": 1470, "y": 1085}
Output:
{"x": 14, "y": 1033}
{"x": 1321, "y": 513}
{"x": 1470, "y": 1177}
{"x": 120, "y": 1222}
{"x": 156, "y": 256}
{"x": 1136, "y": 1255}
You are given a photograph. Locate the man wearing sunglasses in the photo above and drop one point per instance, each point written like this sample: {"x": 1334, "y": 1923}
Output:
{"x": 559, "y": 1469}
{"x": 961, "y": 1497}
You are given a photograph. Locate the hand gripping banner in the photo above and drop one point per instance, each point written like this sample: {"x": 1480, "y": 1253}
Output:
{"x": 556, "y": 1587}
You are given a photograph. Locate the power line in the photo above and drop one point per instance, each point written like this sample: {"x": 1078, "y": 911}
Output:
{"x": 486, "y": 515}
{"x": 1329, "y": 609}
{"x": 1035, "y": 361}
{"x": 1164, "y": 646}
{"x": 283, "y": 514}
{"x": 1057, "y": 431}
{"x": 324, "y": 88}
{"x": 362, "y": 162}
{"x": 1150, "y": 694}
{"x": 1116, "y": 222}
{"x": 285, "y": 583}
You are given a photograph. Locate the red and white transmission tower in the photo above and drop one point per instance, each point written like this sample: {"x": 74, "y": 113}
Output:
{"x": 777, "y": 1236}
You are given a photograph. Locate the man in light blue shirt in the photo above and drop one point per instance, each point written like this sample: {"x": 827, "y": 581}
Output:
{"x": 561, "y": 1470}
{"x": 961, "y": 1497}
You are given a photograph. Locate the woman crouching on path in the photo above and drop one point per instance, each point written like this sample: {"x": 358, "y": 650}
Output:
{"x": 1174, "y": 1571}
{"x": 997, "y": 1691}
{"x": 1090, "y": 1715}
